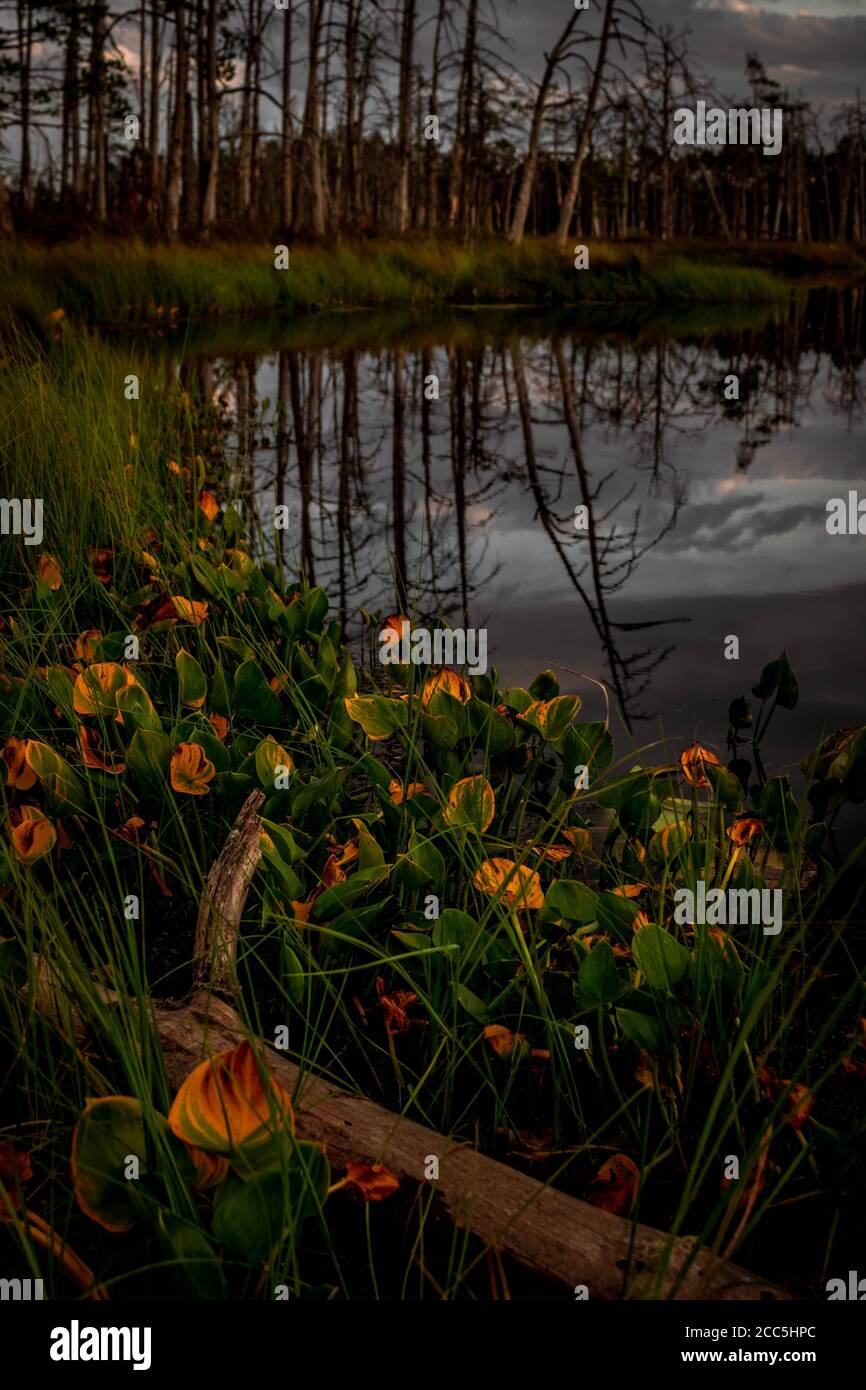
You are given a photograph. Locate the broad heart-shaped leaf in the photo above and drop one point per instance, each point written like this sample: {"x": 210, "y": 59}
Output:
{"x": 197, "y": 1267}
{"x": 108, "y": 1131}
{"x": 96, "y": 688}
{"x": 569, "y": 899}
{"x": 370, "y": 854}
{"x": 193, "y": 686}
{"x": 474, "y": 1006}
{"x": 456, "y": 928}
{"x": 137, "y": 708}
{"x": 148, "y": 757}
{"x": 273, "y": 763}
{"x": 641, "y": 1029}
{"x": 55, "y": 774}
{"x": 661, "y": 959}
{"x": 253, "y": 698}
{"x": 491, "y": 730}
{"x": 316, "y": 606}
{"x": 251, "y": 1217}
{"x": 34, "y": 836}
{"x": 725, "y": 784}
{"x": 422, "y": 865}
{"x": 777, "y": 679}
{"x": 230, "y": 1103}
{"x": 598, "y": 979}
{"x": 545, "y": 686}
{"x": 552, "y": 718}
{"x": 377, "y": 716}
{"x": 471, "y": 803}
{"x": 191, "y": 770}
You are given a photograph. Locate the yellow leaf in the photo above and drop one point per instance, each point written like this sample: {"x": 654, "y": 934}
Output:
{"x": 49, "y": 572}
{"x": 470, "y": 802}
{"x": 226, "y": 1103}
{"x": 519, "y": 887}
{"x": 34, "y": 836}
{"x": 191, "y": 770}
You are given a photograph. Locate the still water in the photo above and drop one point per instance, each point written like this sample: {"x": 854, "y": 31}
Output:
{"x": 435, "y": 466}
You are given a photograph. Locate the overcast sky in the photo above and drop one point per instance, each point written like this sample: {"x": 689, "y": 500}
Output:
{"x": 817, "y": 47}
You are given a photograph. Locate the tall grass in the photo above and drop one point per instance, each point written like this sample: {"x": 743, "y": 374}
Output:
{"x": 116, "y": 283}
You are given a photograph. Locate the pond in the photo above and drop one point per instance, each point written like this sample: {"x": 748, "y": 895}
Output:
{"x": 439, "y": 465}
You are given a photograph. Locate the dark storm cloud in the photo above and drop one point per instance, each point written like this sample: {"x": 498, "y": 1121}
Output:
{"x": 814, "y": 49}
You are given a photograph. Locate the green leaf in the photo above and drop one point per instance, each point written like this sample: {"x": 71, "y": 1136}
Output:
{"x": 661, "y": 959}
{"x": 148, "y": 757}
{"x": 336, "y": 899}
{"x": 569, "y": 899}
{"x": 474, "y": 1006}
{"x": 456, "y": 928}
{"x": 641, "y": 1029}
{"x": 253, "y": 697}
{"x": 598, "y": 978}
{"x": 193, "y": 686}
{"x": 108, "y": 1131}
{"x": 197, "y": 1261}
{"x": 422, "y": 865}
{"x": 377, "y": 716}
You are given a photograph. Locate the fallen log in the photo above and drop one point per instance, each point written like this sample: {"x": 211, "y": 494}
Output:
{"x": 566, "y": 1241}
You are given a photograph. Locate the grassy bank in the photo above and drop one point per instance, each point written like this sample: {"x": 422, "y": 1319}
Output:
{"x": 128, "y": 282}
{"x": 552, "y": 1010}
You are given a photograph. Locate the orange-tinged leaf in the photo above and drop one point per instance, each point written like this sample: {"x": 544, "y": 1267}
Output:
{"x": 693, "y": 761}
{"x": 398, "y": 793}
{"x": 19, "y": 772}
{"x": 210, "y": 1168}
{"x": 579, "y": 837}
{"x": 226, "y": 1103}
{"x": 614, "y": 1186}
{"x": 85, "y": 644}
{"x": 208, "y": 503}
{"x": 519, "y": 887}
{"x": 503, "y": 1041}
{"x": 744, "y": 830}
{"x": 94, "y": 754}
{"x": 220, "y": 726}
{"x": 49, "y": 571}
{"x": 191, "y": 770}
{"x": 449, "y": 681}
{"x": 373, "y": 1180}
{"x": 96, "y": 689}
{"x": 34, "y": 835}
{"x": 471, "y": 802}
{"x": 189, "y": 610}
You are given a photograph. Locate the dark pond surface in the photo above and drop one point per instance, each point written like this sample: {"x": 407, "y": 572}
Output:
{"x": 706, "y": 516}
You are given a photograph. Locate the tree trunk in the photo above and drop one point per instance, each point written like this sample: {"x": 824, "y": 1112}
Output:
{"x": 457, "y": 182}
{"x": 407, "y": 44}
{"x": 211, "y": 178}
{"x": 176, "y": 144}
{"x": 311, "y": 136}
{"x": 153, "y": 137}
{"x": 25, "y": 50}
{"x": 567, "y": 211}
{"x": 521, "y": 207}
{"x": 287, "y": 167}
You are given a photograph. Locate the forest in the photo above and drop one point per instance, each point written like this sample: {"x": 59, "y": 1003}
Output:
{"x": 328, "y": 117}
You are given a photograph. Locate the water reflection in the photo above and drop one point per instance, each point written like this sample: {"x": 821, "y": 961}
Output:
{"x": 437, "y": 468}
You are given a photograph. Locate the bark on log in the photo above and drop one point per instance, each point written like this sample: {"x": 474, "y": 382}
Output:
{"x": 222, "y": 902}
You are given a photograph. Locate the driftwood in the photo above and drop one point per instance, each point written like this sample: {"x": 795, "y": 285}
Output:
{"x": 565, "y": 1241}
